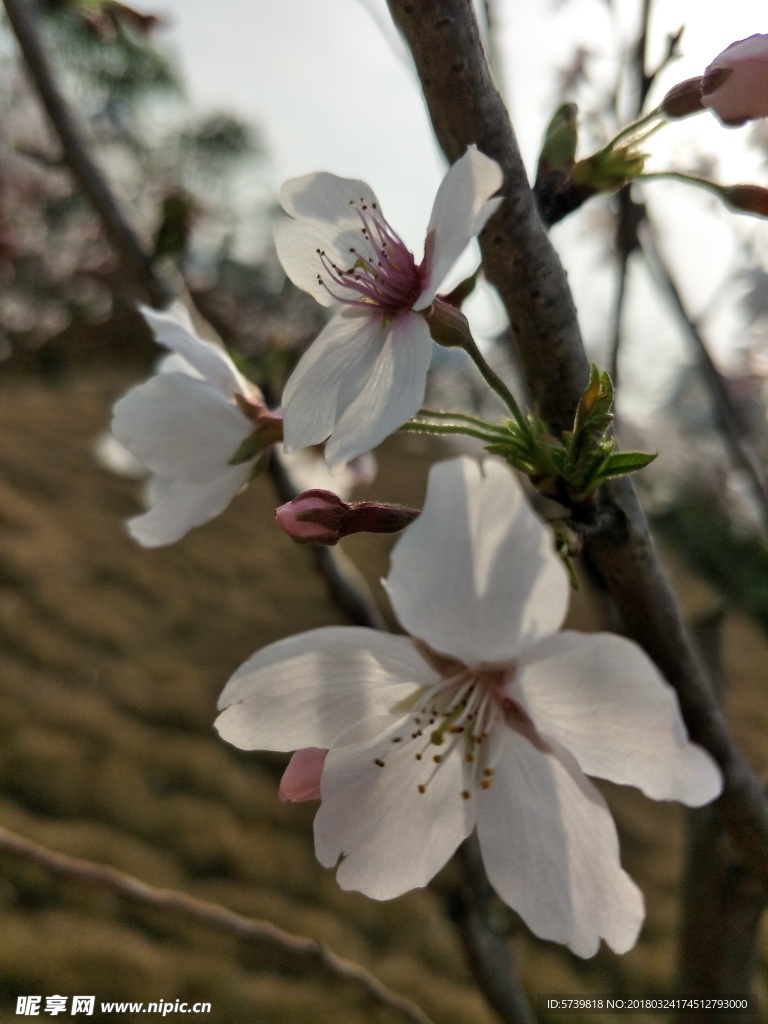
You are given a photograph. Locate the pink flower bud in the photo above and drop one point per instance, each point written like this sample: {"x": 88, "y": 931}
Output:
{"x": 747, "y": 198}
{"x": 301, "y": 779}
{"x": 321, "y": 517}
{"x": 735, "y": 85}
{"x": 314, "y": 517}
{"x": 683, "y": 99}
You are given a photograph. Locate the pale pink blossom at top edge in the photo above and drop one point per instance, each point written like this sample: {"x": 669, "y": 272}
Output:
{"x": 735, "y": 85}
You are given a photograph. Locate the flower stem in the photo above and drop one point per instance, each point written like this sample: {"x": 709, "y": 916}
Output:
{"x": 417, "y": 427}
{"x": 496, "y": 384}
{"x": 633, "y": 130}
{"x": 688, "y": 179}
{"x": 475, "y": 421}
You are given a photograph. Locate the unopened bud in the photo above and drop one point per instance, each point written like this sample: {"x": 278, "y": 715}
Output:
{"x": 558, "y": 150}
{"x": 321, "y": 517}
{"x": 448, "y": 325}
{"x": 747, "y": 198}
{"x": 683, "y": 99}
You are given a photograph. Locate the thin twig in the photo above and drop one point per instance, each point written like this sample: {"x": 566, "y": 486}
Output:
{"x": 213, "y": 916}
{"x": 519, "y": 259}
{"x": 627, "y": 215}
{"x": 21, "y": 15}
{"x": 731, "y": 426}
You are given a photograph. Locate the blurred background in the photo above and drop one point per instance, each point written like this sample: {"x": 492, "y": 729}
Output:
{"x": 112, "y": 657}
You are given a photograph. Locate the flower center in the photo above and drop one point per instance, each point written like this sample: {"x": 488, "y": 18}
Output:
{"x": 383, "y": 271}
{"x": 458, "y": 715}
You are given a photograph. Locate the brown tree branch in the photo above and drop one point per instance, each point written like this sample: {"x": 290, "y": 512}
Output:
{"x": 475, "y": 910}
{"x": 722, "y": 901}
{"x": 518, "y": 258}
{"x": 87, "y": 174}
{"x": 212, "y": 916}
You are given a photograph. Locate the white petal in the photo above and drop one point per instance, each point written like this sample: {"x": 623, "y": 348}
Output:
{"x": 174, "y": 363}
{"x": 297, "y": 243}
{"x": 325, "y": 220}
{"x": 358, "y": 382}
{"x": 602, "y": 698}
{"x": 475, "y": 575}
{"x": 320, "y": 688}
{"x": 180, "y": 427}
{"x": 460, "y": 212}
{"x": 177, "y": 506}
{"x": 551, "y": 852}
{"x": 391, "y": 837}
{"x": 324, "y": 197}
{"x": 373, "y": 405}
{"x": 173, "y": 329}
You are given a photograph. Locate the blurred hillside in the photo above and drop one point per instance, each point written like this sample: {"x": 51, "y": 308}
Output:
{"x": 111, "y": 660}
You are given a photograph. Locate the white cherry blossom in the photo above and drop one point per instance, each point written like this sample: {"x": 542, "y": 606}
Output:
{"x": 184, "y": 425}
{"x": 486, "y": 717}
{"x": 366, "y": 372}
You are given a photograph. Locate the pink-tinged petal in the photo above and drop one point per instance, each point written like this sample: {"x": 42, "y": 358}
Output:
{"x": 179, "y": 427}
{"x": 329, "y": 686}
{"x": 735, "y": 85}
{"x": 602, "y": 698}
{"x": 462, "y": 207}
{"x": 476, "y": 575}
{"x": 550, "y": 848}
{"x": 357, "y": 383}
{"x": 176, "y": 506}
{"x": 301, "y": 779}
{"x": 391, "y": 836}
{"x": 173, "y": 330}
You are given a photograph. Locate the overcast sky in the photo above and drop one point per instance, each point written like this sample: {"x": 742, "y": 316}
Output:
{"x": 331, "y": 87}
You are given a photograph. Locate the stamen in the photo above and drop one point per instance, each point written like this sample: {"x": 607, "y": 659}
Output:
{"x": 385, "y": 276}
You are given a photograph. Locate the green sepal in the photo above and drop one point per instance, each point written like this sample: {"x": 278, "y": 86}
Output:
{"x": 608, "y": 170}
{"x": 247, "y": 450}
{"x": 260, "y": 464}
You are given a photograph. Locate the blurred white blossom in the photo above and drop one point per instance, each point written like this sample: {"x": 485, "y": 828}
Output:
{"x": 186, "y": 425}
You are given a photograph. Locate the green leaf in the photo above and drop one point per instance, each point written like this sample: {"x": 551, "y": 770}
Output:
{"x": 626, "y": 462}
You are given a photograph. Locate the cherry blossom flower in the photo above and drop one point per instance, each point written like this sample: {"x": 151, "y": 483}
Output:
{"x": 485, "y": 717}
{"x": 366, "y": 372}
{"x": 735, "y": 85}
{"x": 185, "y": 425}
